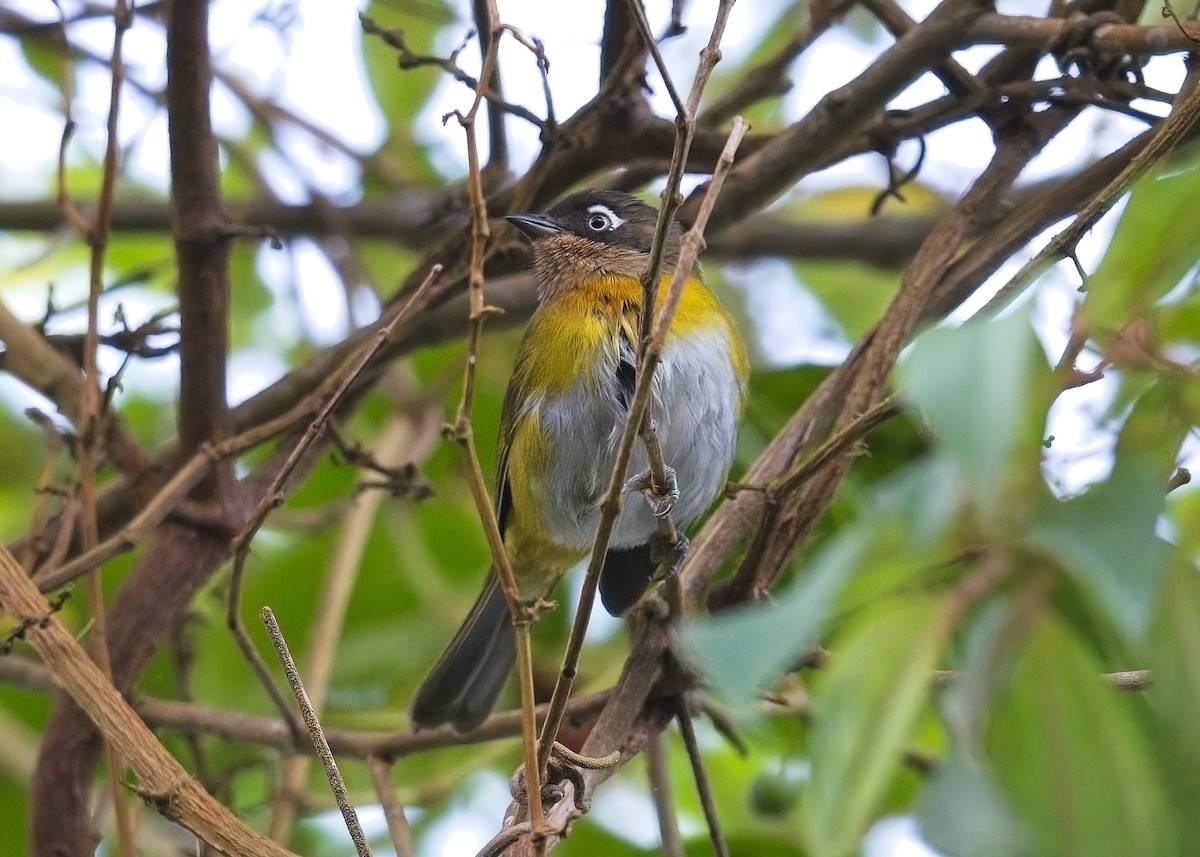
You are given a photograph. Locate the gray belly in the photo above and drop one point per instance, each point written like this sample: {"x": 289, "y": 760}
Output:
{"x": 695, "y": 405}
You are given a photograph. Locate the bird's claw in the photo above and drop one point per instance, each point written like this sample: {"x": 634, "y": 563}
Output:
{"x": 661, "y": 501}
{"x": 670, "y": 554}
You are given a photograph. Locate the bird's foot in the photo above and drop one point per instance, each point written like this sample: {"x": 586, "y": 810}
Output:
{"x": 662, "y": 499}
{"x": 669, "y": 554}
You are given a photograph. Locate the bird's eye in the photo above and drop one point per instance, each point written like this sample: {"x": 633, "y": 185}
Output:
{"x": 601, "y": 218}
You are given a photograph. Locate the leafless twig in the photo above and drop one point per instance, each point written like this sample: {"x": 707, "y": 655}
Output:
{"x": 393, "y": 812}
{"x": 664, "y": 801}
{"x": 611, "y": 504}
{"x": 688, "y": 730}
{"x": 336, "y": 784}
{"x": 274, "y": 495}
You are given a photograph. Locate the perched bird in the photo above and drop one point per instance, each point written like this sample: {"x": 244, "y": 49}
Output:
{"x": 561, "y": 421}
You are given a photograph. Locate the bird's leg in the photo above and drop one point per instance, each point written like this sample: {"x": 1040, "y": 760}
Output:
{"x": 662, "y": 498}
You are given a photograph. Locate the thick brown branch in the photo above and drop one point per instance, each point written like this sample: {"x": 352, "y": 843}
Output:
{"x": 201, "y": 238}
{"x": 842, "y": 114}
{"x": 1018, "y": 31}
{"x": 162, "y": 782}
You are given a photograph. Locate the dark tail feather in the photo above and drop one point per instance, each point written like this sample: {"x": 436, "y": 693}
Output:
{"x": 626, "y": 575}
{"x": 464, "y": 684}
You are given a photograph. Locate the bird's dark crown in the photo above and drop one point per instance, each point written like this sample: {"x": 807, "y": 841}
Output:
{"x": 594, "y": 233}
{"x": 607, "y": 217}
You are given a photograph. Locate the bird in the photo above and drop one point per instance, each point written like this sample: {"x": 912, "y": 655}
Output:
{"x": 561, "y": 420}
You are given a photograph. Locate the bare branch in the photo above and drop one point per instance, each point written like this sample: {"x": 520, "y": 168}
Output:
{"x": 688, "y": 729}
{"x": 336, "y": 784}
{"x": 393, "y": 812}
{"x": 274, "y": 495}
{"x": 201, "y": 241}
{"x": 163, "y": 783}
{"x": 664, "y": 802}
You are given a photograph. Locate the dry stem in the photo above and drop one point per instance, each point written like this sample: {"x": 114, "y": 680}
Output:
{"x": 315, "y": 734}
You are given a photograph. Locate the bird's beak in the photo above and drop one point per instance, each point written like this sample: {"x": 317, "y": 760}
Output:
{"x": 534, "y": 226}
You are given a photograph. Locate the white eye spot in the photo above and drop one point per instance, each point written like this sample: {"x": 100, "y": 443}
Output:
{"x": 602, "y": 219}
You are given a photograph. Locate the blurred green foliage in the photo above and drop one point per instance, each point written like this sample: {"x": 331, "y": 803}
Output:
{"x": 984, "y": 713}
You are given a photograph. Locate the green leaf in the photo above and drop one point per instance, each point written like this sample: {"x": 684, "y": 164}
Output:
{"x": 984, "y": 387}
{"x": 1153, "y": 247}
{"x": 401, "y": 93}
{"x": 46, "y": 59}
{"x": 867, "y": 708}
{"x": 743, "y": 651}
{"x": 1175, "y": 689}
{"x": 1105, "y": 539}
{"x": 1072, "y": 756}
{"x": 1179, "y": 322}
{"x": 855, "y": 294}
{"x": 963, "y": 814}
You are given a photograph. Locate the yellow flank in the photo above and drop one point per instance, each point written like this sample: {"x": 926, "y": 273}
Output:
{"x": 538, "y": 558}
{"x": 569, "y": 326}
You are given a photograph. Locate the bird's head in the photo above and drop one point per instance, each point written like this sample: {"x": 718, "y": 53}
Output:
{"x": 591, "y": 234}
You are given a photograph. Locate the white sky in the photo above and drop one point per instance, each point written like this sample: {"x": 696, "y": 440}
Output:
{"x": 318, "y": 73}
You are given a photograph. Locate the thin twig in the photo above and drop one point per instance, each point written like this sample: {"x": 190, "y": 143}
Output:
{"x": 91, "y": 409}
{"x": 393, "y": 812}
{"x": 1129, "y": 679}
{"x": 462, "y": 432}
{"x": 651, "y": 43}
{"x": 1169, "y": 133}
{"x": 329, "y": 620}
{"x": 535, "y": 46}
{"x": 772, "y": 76}
{"x": 336, "y": 785}
{"x": 664, "y": 803}
{"x": 273, "y": 496}
{"x": 611, "y": 504}
{"x": 488, "y": 42}
{"x": 835, "y": 445}
{"x": 162, "y": 781}
{"x": 67, "y": 83}
{"x": 685, "y": 130}
{"x": 409, "y": 60}
{"x": 44, "y": 487}
{"x": 51, "y": 575}
{"x": 688, "y": 730}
